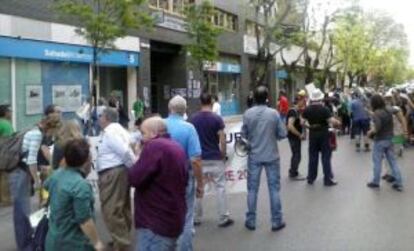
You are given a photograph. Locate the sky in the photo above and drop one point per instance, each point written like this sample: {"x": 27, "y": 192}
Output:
{"x": 402, "y": 11}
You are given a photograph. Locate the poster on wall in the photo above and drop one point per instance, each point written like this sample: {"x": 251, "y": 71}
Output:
{"x": 69, "y": 97}
{"x": 167, "y": 92}
{"x": 179, "y": 91}
{"x": 146, "y": 97}
{"x": 34, "y": 99}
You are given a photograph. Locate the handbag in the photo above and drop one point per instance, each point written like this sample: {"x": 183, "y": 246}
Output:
{"x": 333, "y": 144}
{"x": 40, "y": 223}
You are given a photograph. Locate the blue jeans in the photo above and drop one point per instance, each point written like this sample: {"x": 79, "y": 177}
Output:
{"x": 185, "y": 241}
{"x": 149, "y": 241}
{"x": 254, "y": 171}
{"x": 20, "y": 188}
{"x": 385, "y": 148}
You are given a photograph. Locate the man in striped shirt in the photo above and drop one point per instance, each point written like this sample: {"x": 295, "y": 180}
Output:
{"x": 21, "y": 178}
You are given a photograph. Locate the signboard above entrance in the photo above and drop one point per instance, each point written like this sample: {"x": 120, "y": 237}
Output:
{"x": 169, "y": 22}
{"x": 222, "y": 67}
{"x": 32, "y": 49}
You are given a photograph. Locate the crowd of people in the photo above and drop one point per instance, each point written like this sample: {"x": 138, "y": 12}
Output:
{"x": 386, "y": 118}
{"x": 166, "y": 162}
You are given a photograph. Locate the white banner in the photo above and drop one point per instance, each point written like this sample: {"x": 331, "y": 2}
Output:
{"x": 236, "y": 166}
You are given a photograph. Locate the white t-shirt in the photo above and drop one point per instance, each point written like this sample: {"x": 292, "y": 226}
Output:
{"x": 217, "y": 108}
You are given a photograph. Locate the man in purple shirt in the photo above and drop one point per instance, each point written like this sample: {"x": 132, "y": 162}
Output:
{"x": 210, "y": 129}
{"x": 160, "y": 179}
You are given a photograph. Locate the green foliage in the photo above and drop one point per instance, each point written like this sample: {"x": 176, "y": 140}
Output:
{"x": 103, "y": 21}
{"x": 202, "y": 33}
{"x": 372, "y": 45}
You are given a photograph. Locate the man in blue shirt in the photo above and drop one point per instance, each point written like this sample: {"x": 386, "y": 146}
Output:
{"x": 263, "y": 128}
{"x": 186, "y": 135}
{"x": 360, "y": 121}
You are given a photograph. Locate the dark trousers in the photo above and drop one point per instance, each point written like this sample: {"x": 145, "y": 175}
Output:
{"x": 295, "y": 147}
{"x": 319, "y": 143}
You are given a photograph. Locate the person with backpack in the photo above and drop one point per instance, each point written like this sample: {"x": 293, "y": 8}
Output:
{"x": 6, "y": 130}
{"x": 23, "y": 178}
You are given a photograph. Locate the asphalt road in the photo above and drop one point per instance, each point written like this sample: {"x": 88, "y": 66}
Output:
{"x": 349, "y": 216}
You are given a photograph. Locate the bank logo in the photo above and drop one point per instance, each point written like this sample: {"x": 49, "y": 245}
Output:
{"x": 131, "y": 58}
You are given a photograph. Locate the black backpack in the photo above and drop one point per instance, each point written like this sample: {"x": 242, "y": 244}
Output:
{"x": 11, "y": 151}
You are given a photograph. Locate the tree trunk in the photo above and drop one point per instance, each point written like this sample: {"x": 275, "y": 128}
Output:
{"x": 351, "y": 79}
{"x": 309, "y": 74}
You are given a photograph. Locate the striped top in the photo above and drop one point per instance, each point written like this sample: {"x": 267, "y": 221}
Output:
{"x": 31, "y": 144}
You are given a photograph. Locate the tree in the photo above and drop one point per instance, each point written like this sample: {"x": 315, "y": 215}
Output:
{"x": 275, "y": 28}
{"x": 371, "y": 45}
{"x": 101, "y": 22}
{"x": 314, "y": 41}
{"x": 203, "y": 36}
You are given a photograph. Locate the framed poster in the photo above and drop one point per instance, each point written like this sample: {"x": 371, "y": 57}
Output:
{"x": 145, "y": 91}
{"x": 69, "y": 97}
{"x": 34, "y": 99}
{"x": 167, "y": 92}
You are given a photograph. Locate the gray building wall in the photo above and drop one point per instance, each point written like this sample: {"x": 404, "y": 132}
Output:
{"x": 228, "y": 42}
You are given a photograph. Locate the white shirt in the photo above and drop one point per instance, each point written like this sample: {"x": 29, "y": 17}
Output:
{"x": 217, "y": 108}
{"x": 114, "y": 148}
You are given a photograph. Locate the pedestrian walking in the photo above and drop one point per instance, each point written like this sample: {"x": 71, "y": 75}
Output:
{"x": 360, "y": 122}
{"x": 186, "y": 135}
{"x": 344, "y": 114}
{"x": 138, "y": 109}
{"x": 216, "y": 105}
{"x": 69, "y": 131}
{"x": 114, "y": 156}
{"x": 71, "y": 218}
{"x": 263, "y": 128}
{"x": 295, "y": 137}
{"x": 382, "y": 133}
{"x": 44, "y": 157}
{"x": 115, "y": 102}
{"x": 160, "y": 179}
{"x": 283, "y": 105}
{"x": 83, "y": 115}
{"x": 24, "y": 180}
{"x": 6, "y": 130}
{"x": 319, "y": 118}
{"x": 210, "y": 129}
{"x": 250, "y": 100}
{"x": 96, "y": 113}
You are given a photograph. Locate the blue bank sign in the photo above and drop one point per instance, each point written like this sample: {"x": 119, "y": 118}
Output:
{"x": 22, "y": 48}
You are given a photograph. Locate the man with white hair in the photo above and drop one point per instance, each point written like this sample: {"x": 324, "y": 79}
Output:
{"x": 160, "y": 180}
{"x": 319, "y": 117}
{"x": 186, "y": 135}
{"x": 114, "y": 156}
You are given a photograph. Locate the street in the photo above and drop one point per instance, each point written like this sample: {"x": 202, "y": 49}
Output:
{"x": 349, "y": 216}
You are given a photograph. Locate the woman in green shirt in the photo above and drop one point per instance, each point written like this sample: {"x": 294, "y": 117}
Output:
{"x": 71, "y": 220}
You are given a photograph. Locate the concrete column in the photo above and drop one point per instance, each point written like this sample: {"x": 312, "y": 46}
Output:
{"x": 13, "y": 93}
{"x": 132, "y": 89}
